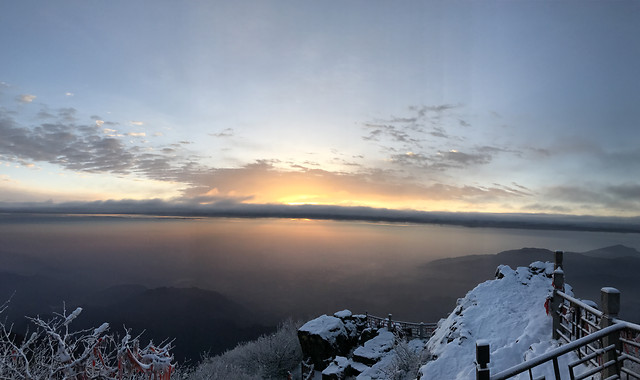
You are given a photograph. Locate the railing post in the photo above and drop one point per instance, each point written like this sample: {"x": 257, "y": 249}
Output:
{"x": 558, "y": 261}
{"x": 556, "y": 302}
{"x": 610, "y": 302}
{"x": 421, "y": 330}
{"x": 390, "y": 323}
{"x": 577, "y": 322}
{"x": 482, "y": 360}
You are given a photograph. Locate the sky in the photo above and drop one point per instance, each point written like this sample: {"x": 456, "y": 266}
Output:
{"x": 460, "y": 106}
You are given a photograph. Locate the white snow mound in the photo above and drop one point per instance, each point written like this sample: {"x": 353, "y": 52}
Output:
{"x": 326, "y": 327}
{"x": 507, "y": 312}
{"x": 377, "y": 347}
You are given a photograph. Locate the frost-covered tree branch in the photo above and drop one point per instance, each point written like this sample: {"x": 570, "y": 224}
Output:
{"x": 55, "y": 351}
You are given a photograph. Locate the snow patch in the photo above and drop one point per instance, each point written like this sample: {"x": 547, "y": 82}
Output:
{"x": 378, "y": 371}
{"x": 375, "y": 348}
{"x": 343, "y": 314}
{"x": 337, "y": 366}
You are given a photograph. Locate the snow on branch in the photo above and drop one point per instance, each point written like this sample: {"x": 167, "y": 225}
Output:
{"x": 54, "y": 351}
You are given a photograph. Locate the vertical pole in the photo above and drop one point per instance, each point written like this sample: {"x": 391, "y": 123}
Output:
{"x": 556, "y": 368}
{"x": 421, "y": 331}
{"x": 482, "y": 360}
{"x": 610, "y": 301}
{"x": 390, "y": 323}
{"x": 577, "y": 321}
{"x": 558, "y": 262}
{"x": 556, "y": 302}
{"x": 558, "y": 284}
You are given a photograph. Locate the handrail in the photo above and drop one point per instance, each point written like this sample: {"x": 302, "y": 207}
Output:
{"x": 631, "y": 325}
{"x": 564, "y": 349}
{"x": 381, "y": 319}
{"x": 411, "y": 329}
{"x": 583, "y": 305}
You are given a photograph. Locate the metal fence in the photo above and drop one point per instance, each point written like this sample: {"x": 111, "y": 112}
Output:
{"x": 404, "y": 329}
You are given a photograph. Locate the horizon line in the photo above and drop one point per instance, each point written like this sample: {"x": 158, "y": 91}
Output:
{"x": 160, "y": 208}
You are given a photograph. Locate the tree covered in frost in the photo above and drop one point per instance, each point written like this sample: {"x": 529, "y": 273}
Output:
{"x": 408, "y": 357}
{"x": 271, "y": 356}
{"x": 53, "y": 350}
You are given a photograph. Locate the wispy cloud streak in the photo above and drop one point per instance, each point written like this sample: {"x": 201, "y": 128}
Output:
{"x": 81, "y": 147}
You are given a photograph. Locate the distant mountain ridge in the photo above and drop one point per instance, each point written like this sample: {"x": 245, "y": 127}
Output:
{"x": 614, "y": 251}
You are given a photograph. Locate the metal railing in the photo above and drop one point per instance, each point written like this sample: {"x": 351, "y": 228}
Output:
{"x": 404, "y": 329}
{"x": 618, "y": 363}
{"x": 603, "y": 344}
{"x": 577, "y": 320}
{"x": 629, "y": 350}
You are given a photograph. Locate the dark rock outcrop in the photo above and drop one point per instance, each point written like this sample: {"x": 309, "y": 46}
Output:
{"x": 326, "y": 337}
{"x": 343, "y": 345}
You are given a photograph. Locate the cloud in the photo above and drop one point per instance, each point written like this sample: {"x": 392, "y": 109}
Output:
{"x": 442, "y": 160}
{"x": 543, "y": 207}
{"x": 408, "y": 129}
{"x": 83, "y": 148}
{"x": 25, "y": 98}
{"x": 439, "y": 132}
{"x": 44, "y": 114}
{"x": 67, "y": 114}
{"x": 215, "y": 205}
{"x": 69, "y": 94}
{"x": 396, "y": 134}
{"x": 456, "y": 158}
{"x": 422, "y": 132}
{"x": 374, "y": 134}
{"x": 227, "y": 132}
{"x": 264, "y": 183}
{"x": 623, "y": 198}
{"x": 423, "y": 110}
{"x": 629, "y": 191}
{"x": 424, "y": 157}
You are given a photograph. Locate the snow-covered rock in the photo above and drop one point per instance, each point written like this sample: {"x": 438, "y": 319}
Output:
{"x": 508, "y": 312}
{"x": 326, "y": 337}
{"x": 374, "y": 349}
{"x": 344, "y": 314}
{"x": 326, "y": 327}
{"x": 342, "y": 346}
{"x": 336, "y": 370}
